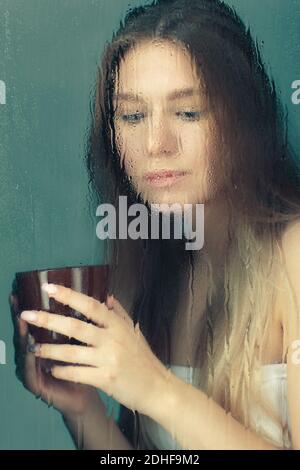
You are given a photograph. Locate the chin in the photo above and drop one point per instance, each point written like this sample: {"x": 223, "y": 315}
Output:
{"x": 168, "y": 198}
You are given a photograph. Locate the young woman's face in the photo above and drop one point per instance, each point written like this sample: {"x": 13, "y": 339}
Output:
{"x": 163, "y": 124}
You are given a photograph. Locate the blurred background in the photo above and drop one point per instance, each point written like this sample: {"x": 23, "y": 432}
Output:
{"x": 49, "y": 52}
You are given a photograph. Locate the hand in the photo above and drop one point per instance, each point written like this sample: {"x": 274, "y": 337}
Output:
{"x": 117, "y": 360}
{"x": 68, "y": 398}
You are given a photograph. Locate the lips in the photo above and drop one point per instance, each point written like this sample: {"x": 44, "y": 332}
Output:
{"x": 164, "y": 177}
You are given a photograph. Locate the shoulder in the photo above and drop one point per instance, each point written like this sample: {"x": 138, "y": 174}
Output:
{"x": 290, "y": 288}
{"x": 291, "y": 325}
{"x": 291, "y": 239}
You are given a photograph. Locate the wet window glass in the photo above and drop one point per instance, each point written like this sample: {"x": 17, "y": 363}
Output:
{"x": 150, "y": 225}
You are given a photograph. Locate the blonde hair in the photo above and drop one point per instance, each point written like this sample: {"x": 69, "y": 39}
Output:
{"x": 231, "y": 370}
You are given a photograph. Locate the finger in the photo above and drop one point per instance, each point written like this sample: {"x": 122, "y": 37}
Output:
{"x": 37, "y": 380}
{"x": 21, "y": 335}
{"x": 78, "y": 374}
{"x": 91, "y": 308}
{"x": 68, "y": 326}
{"x": 43, "y": 382}
{"x": 57, "y": 390}
{"x": 68, "y": 353}
{"x": 31, "y": 373}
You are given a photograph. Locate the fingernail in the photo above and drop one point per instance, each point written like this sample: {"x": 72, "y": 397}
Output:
{"x": 30, "y": 339}
{"x": 49, "y": 288}
{"x": 34, "y": 348}
{"x": 29, "y": 315}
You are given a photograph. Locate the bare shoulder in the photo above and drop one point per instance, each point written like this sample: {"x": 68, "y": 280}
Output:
{"x": 290, "y": 244}
{"x": 290, "y": 279}
{"x": 291, "y": 326}
{"x": 291, "y": 237}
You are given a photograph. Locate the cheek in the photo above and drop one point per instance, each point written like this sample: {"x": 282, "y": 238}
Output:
{"x": 131, "y": 150}
{"x": 199, "y": 150}
{"x": 196, "y": 148}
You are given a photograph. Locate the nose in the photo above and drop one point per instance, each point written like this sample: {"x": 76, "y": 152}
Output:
{"x": 162, "y": 139}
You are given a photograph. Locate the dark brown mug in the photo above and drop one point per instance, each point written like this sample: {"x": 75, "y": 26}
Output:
{"x": 91, "y": 280}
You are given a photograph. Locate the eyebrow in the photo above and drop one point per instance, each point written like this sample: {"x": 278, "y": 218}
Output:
{"x": 173, "y": 95}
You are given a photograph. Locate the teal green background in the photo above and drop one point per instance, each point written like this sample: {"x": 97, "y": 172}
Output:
{"x": 49, "y": 51}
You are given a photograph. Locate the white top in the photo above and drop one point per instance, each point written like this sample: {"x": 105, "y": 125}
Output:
{"x": 274, "y": 391}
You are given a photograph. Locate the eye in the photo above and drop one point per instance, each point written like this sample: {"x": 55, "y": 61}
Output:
{"x": 132, "y": 118}
{"x": 189, "y": 115}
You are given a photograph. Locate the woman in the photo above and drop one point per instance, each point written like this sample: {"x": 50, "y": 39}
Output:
{"x": 182, "y": 88}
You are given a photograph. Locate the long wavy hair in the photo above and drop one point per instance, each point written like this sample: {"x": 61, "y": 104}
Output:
{"x": 262, "y": 182}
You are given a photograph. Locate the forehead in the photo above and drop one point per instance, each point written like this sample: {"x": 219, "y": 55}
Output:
{"x": 157, "y": 69}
